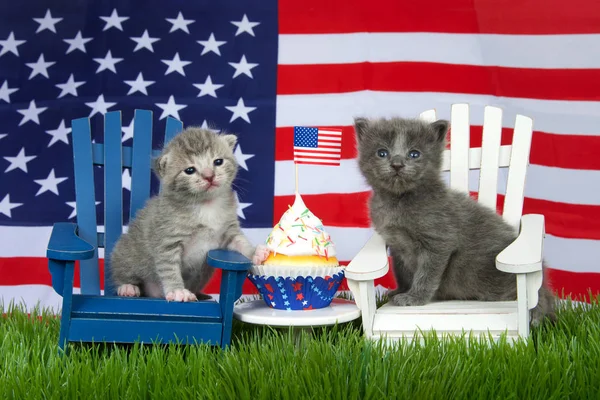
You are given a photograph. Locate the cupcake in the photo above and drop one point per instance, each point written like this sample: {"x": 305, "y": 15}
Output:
{"x": 302, "y": 271}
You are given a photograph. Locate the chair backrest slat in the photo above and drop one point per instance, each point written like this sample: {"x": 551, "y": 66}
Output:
{"x": 85, "y": 202}
{"x": 490, "y": 154}
{"x": 141, "y": 160}
{"x": 113, "y": 190}
{"x": 174, "y": 126}
{"x": 459, "y": 147}
{"x": 519, "y": 161}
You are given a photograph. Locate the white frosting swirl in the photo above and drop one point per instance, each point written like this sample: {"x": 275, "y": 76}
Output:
{"x": 300, "y": 233}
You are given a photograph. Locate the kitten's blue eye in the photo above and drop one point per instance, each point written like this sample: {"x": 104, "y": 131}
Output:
{"x": 414, "y": 154}
{"x": 218, "y": 161}
{"x": 189, "y": 170}
{"x": 383, "y": 153}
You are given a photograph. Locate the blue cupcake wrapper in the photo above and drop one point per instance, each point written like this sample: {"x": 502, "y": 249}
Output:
{"x": 299, "y": 293}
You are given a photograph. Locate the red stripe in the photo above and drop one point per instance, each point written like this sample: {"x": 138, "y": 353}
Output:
{"x": 563, "y": 220}
{"x": 29, "y": 271}
{"x": 457, "y": 16}
{"x": 316, "y": 163}
{"x": 548, "y": 84}
{"x": 552, "y": 150}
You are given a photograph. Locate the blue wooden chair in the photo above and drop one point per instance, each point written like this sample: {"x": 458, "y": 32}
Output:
{"x": 92, "y": 317}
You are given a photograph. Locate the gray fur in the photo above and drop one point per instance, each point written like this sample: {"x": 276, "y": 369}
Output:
{"x": 166, "y": 246}
{"x": 443, "y": 243}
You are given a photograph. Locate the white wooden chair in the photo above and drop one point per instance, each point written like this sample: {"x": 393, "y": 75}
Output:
{"x": 523, "y": 257}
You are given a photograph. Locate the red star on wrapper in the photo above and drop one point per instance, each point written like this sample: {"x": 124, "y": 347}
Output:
{"x": 297, "y": 286}
{"x": 331, "y": 285}
{"x": 270, "y": 296}
{"x": 327, "y": 278}
{"x": 269, "y": 287}
{"x": 308, "y": 308}
{"x": 300, "y": 296}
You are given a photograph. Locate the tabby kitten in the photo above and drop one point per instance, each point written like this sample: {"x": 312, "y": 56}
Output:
{"x": 164, "y": 252}
{"x": 443, "y": 243}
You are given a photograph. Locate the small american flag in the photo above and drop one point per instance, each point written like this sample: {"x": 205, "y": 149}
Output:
{"x": 317, "y": 145}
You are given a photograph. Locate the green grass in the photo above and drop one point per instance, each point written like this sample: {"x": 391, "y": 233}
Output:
{"x": 556, "y": 362}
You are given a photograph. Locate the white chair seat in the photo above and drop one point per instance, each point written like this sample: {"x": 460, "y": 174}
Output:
{"x": 454, "y": 317}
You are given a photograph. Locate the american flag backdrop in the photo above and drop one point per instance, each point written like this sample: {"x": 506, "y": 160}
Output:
{"x": 259, "y": 68}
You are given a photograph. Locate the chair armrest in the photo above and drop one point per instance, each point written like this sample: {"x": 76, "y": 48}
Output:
{"x": 371, "y": 262}
{"x": 65, "y": 245}
{"x": 228, "y": 260}
{"x": 524, "y": 255}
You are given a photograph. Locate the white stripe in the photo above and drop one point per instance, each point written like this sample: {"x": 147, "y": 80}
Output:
{"x": 545, "y": 183}
{"x": 31, "y": 295}
{"x": 521, "y": 51}
{"x": 330, "y": 139}
{"x": 575, "y": 255}
{"x": 317, "y": 154}
{"x": 552, "y": 116}
{"x": 327, "y": 132}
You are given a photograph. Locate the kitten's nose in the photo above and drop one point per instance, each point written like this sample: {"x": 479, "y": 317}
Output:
{"x": 397, "y": 166}
{"x": 208, "y": 174}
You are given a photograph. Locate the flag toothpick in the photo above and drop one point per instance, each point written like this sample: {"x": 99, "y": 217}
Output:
{"x": 317, "y": 146}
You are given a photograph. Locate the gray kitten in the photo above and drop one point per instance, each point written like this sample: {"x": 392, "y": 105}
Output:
{"x": 164, "y": 252}
{"x": 443, "y": 243}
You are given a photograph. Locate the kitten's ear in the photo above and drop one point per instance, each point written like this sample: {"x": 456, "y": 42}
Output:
{"x": 361, "y": 126}
{"x": 159, "y": 164}
{"x": 231, "y": 140}
{"x": 440, "y": 128}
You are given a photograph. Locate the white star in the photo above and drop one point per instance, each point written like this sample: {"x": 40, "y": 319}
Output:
{"x": 47, "y": 22}
{"x": 241, "y": 207}
{"x": 59, "y": 133}
{"x": 99, "y": 106}
{"x": 77, "y": 43}
{"x": 49, "y": 184}
{"x": 139, "y": 85}
{"x": 211, "y": 45}
{"x": 6, "y": 206}
{"x": 69, "y": 87}
{"x": 208, "y": 88}
{"x": 176, "y": 65}
{"x": 108, "y": 62}
{"x": 40, "y": 67}
{"x": 241, "y": 157}
{"x": 128, "y": 132}
{"x": 32, "y": 113}
{"x": 10, "y": 44}
{"x": 6, "y": 91}
{"x": 170, "y": 108}
{"x": 245, "y": 26}
{"x": 114, "y": 21}
{"x": 74, "y": 205}
{"x": 19, "y": 161}
{"x": 243, "y": 67}
{"x": 144, "y": 42}
{"x": 240, "y": 111}
{"x": 126, "y": 179}
{"x": 180, "y": 23}
{"x": 206, "y": 126}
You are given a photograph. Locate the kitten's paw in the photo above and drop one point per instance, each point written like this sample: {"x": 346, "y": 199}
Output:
{"x": 406, "y": 299}
{"x": 128, "y": 291}
{"x": 181, "y": 295}
{"x": 260, "y": 254}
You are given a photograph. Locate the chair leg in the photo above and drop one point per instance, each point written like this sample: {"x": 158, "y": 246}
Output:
{"x": 522, "y": 308}
{"x": 230, "y": 280}
{"x": 65, "y": 318}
